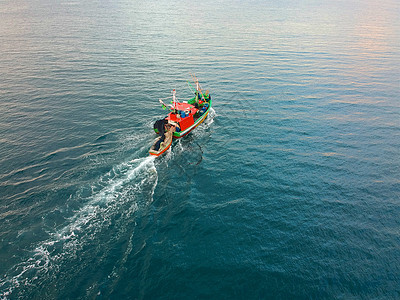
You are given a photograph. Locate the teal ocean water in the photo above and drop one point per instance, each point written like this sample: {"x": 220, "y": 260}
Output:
{"x": 289, "y": 190}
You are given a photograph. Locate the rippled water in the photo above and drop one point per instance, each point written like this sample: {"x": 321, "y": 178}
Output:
{"x": 290, "y": 189}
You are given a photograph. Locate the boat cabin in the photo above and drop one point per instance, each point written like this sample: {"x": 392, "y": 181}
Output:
{"x": 183, "y": 115}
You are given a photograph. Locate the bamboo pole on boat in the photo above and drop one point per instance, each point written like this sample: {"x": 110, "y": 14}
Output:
{"x": 198, "y": 88}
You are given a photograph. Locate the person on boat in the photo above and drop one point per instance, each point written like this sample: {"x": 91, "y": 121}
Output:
{"x": 167, "y": 131}
{"x": 207, "y": 96}
{"x": 176, "y": 125}
{"x": 159, "y": 142}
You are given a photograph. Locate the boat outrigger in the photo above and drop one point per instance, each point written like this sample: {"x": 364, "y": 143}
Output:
{"x": 182, "y": 118}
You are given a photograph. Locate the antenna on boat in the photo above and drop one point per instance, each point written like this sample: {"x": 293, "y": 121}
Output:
{"x": 174, "y": 98}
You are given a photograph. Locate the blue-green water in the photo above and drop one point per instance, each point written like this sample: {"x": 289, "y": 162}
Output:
{"x": 290, "y": 189}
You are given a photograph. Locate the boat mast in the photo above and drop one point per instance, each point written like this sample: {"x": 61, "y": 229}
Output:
{"x": 197, "y": 90}
{"x": 199, "y": 94}
{"x": 174, "y": 98}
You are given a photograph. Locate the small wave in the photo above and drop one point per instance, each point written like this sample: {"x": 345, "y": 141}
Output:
{"x": 210, "y": 118}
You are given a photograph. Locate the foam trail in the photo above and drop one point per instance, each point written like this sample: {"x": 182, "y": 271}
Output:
{"x": 114, "y": 196}
{"x": 109, "y": 192}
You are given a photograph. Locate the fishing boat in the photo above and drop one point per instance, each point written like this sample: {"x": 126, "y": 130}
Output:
{"x": 183, "y": 118}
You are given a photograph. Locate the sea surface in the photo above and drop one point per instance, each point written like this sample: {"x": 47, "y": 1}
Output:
{"x": 289, "y": 190}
